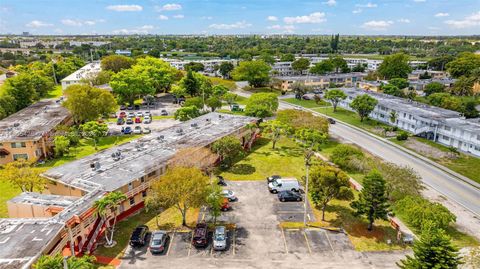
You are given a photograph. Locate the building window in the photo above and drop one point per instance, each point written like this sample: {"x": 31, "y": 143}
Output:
{"x": 20, "y": 156}
{"x": 144, "y": 194}
{"x": 18, "y": 145}
{"x": 151, "y": 174}
{"x": 142, "y": 179}
{"x": 447, "y": 128}
{"x": 446, "y": 138}
{"x": 132, "y": 200}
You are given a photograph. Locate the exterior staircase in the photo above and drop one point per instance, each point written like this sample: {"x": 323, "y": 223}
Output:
{"x": 92, "y": 237}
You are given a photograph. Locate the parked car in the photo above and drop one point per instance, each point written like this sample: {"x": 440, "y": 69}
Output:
{"x": 138, "y": 120}
{"x": 164, "y": 112}
{"x": 230, "y": 195}
{"x": 147, "y": 114}
{"x": 158, "y": 242}
{"x": 225, "y": 205}
{"x": 147, "y": 130}
{"x": 273, "y": 178}
{"x": 122, "y": 114}
{"x": 139, "y": 114}
{"x": 279, "y": 185}
{"x": 129, "y": 121}
{"x": 331, "y": 121}
{"x": 139, "y": 236}
{"x": 123, "y": 107}
{"x": 306, "y": 97}
{"x": 200, "y": 235}
{"x": 285, "y": 196}
{"x": 127, "y": 130}
{"x": 220, "y": 238}
{"x": 317, "y": 91}
{"x": 137, "y": 107}
{"x": 130, "y": 107}
{"x": 137, "y": 130}
{"x": 131, "y": 115}
{"x": 147, "y": 120}
{"x": 120, "y": 121}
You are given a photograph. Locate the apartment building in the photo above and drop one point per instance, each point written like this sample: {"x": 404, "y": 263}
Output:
{"x": 28, "y": 134}
{"x": 129, "y": 168}
{"x": 210, "y": 65}
{"x": 443, "y": 126}
{"x": 322, "y": 82}
{"x": 416, "y": 74}
{"x": 419, "y": 85}
{"x": 86, "y": 72}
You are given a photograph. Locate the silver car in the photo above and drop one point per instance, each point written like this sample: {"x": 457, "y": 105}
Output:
{"x": 158, "y": 244}
{"x": 230, "y": 195}
{"x": 220, "y": 238}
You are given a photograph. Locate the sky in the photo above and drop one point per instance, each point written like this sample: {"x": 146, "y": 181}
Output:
{"x": 369, "y": 17}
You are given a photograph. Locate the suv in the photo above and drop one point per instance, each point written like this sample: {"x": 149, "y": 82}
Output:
{"x": 200, "y": 235}
{"x": 139, "y": 236}
{"x": 273, "y": 178}
{"x": 285, "y": 196}
{"x": 158, "y": 242}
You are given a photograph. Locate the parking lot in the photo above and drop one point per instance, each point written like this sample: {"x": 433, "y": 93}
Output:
{"x": 254, "y": 234}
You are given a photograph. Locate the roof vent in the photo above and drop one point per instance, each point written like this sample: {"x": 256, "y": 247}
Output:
{"x": 16, "y": 124}
{"x": 95, "y": 165}
{"x": 117, "y": 155}
{"x": 160, "y": 137}
{"x": 194, "y": 125}
{"x": 179, "y": 131}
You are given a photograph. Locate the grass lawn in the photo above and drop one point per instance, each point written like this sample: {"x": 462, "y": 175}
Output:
{"x": 167, "y": 220}
{"x": 263, "y": 89}
{"x": 163, "y": 117}
{"x": 8, "y": 192}
{"x": 230, "y": 84}
{"x": 306, "y": 103}
{"x": 228, "y": 111}
{"x": 56, "y": 92}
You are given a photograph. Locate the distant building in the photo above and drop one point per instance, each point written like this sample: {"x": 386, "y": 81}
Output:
{"x": 419, "y": 84}
{"x": 91, "y": 43}
{"x": 124, "y": 52}
{"x": 88, "y": 71}
{"x": 28, "y": 134}
{"x": 322, "y": 82}
{"x": 368, "y": 85}
{"x": 416, "y": 74}
{"x": 210, "y": 65}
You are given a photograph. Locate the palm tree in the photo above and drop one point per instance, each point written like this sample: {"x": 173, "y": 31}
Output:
{"x": 393, "y": 117}
{"x": 57, "y": 262}
{"x": 109, "y": 203}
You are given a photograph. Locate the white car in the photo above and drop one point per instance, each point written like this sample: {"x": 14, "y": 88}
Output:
{"x": 230, "y": 195}
{"x": 131, "y": 115}
{"x": 147, "y": 130}
{"x": 220, "y": 238}
{"x": 137, "y": 130}
{"x": 147, "y": 114}
{"x": 139, "y": 114}
{"x": 147, "y": 120}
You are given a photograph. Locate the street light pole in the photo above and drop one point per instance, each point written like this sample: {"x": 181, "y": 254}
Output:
{"x": 308, "y": 156}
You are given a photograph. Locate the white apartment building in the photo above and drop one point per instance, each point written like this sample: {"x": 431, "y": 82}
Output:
{"x": 88, "y": 71}
{"x": 209, "y": 65}
{"x": 91, "y": 43}
{"x": 443, "y": 126}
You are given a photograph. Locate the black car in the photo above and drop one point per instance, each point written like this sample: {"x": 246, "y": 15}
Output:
{"x": 123, "y": 107}
{"x": 331, "y": 121}
{"x": 273, "y": 178}
{"x": 129, "y": 107}
{"x": 139, "y": 235}
{"x": 137, "y": 107}
{"x": 285, "y": 196}
{"x": 200, "y": 235}
{"x": 164, "y": 112}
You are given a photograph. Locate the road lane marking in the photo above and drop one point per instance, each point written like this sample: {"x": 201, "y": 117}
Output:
{"x": 190, "y": 245}
{"x": 328, "y": 239}
{"x": 233, "y": 241}
{"x": 308, "y": 244}
{"x": 284, "y": 240}
{"x": 171, "y": 243}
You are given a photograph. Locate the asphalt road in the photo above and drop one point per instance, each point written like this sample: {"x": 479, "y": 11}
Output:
{"x": 451, "y": 187}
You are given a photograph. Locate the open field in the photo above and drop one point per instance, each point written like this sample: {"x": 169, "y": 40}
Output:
{"x": 306, "y": 103}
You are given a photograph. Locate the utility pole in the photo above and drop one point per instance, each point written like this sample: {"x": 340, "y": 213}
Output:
{"x": 54, "y": 75}
{"x": 308, "y": 157}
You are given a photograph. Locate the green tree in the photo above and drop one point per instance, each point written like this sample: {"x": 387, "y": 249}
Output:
{"x": 62, "y": 145}
{"x": 310, "y": 138}
{"x": 328, "y": 183}
{"x": 463, "y": 86}
{"x": 296, "y": 119}
{"x": 228, "y": 148}
{"x": 219, "y": 90}
{"x": 182, "y": 188}
{"x": 94, "y": 130}
{"x": 87, "y": 103}
{"x": 194, "y": 101}
{"x": 161, "y": 74}
{"x": 393, "y": 90}
{"x": 300, "y": 65}
{"x": 401, "y": 180}
{"x": 439, "y": 63}
{"x": 275, "y": 129}
{"x": 105, "y": 207}
{"x": 433, "y": 250}
{"x": 469, "y": 109}
{"x": 23, "y": 175}
{"x": 288, "y": 57}
{"x": 186, "y": 113}
{"x": 255, "y": 72}
{"x": 267, "y": 57}
{"x": 395, "y": 66}
{"x": 339, "y": 64}
{"x": 373, "y": 201}
{"x": 322, "y": 67}
{"x": 214, "y": 201}
{"x": 335, "y": 96}
{"x": 21, "y": 88}
{"x": 7, "y": 105}
{"x": 261, "y": 105}
{"x": 194, "y": 66}
{"x": 213, "y": 103}
{"x": 364, "y": 105}
{"x": 130, "y": 85}
{"x": 463, "y": 65}
{"x": 343, "y": 155}
{"x": 225, "y": 69}
{"x": 400, "y": 83}
{"x": 393, "y": 117}
{"x": 229, "y": 98}
{"x": 116, "y": 63}
{"x": 56, "y": 262}
{"x": 433, "y": 87}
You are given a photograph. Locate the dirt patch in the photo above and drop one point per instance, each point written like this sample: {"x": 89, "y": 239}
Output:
{"x": 426, "y": 150}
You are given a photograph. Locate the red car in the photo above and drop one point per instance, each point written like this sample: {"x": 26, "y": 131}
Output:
{"x": 138, "y": 120}
{"x": 122, "y": 114}
{"x": 225, "y": 205}
{"x": 200, "y": 235}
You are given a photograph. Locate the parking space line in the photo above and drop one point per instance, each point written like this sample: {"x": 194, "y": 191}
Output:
{"x": 190, "y": 245}
{"x": 171, "y": 242}
{"x": 284, "y": 240}
{"x": 308, "y": 244}
{"x": 233, "y": 241}
{"x": 329, "y": 242}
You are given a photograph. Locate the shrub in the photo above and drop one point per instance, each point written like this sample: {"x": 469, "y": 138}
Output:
{"x": 343, "y": 156}
{"x": 402, "y": 135}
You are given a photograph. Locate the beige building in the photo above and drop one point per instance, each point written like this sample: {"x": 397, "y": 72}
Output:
{"x": 374, "y": 86}
{"x": 28, "y": 134}
{"x": 415, "y": 75}
{"x": 322, "y": 82}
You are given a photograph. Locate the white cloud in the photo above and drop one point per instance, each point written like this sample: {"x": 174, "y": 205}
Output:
{"x": 402, "y": 20}
{"x": 206, "y": 18}
{"x": 224, "y": 26}
{"x": 179, "y": 16}
{"x": 367, "y": 5}
{"x": 377, "y": 25}
{"x": 70, "y": 22}
{"x": 316, "y": 17}
{"x": 142, "y": 30}
{"x": 169, "y": 7}
{"x": 356, "y": 11}
{"x": 285, "y": 28}
{"x": 330, "y": 3}
{"x": 441, "y": 14}
{"x": 469, "y": 21}
{"x": 272, "y": 18}
{"x": 122, "y": 8}
{"x": 163, "y": 17}
{"x": 37, "y": 24}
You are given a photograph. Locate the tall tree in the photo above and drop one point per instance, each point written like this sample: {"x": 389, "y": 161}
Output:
{"x": 190, "y": 84}
{"x": 194, "y": 66}
{"x": 105, "y": 207}
{"x": 228, "y": 148}
{"x": 255, "y": 72}
{"x": 94, "y": 130}
{"x": 275, "y": 129}
{"x": 328, "y": 183}
{"x": 433, "y": 250}
{"x": 322, "y": 67}
{"x": 335, "y": 96}
{"x": 214, "y": 201}
{"x": 301, "y": 65}
{"x": 395, "y": 66}
{"x": 22, "y": 174}
{"x": 463, "y": 65}
{"x": 116, "y": 63}
{"x": 261, "y": 105}
{"x": 187, "y": 113}
{"x": 288, "y": 57}
{"x": 433, "y": 87}
{"x": 21, "y": 88}
{"x": 225, "y": 69}
{"x": 213, "y": 103}
{"x": 400, "y": 83}
{"x": 364, "y": 105}
{"x": 373, "y": 201}
{"x": 182, "y": 188}
{"x": 130, "y": 85}
{"x": 339, "y": 64}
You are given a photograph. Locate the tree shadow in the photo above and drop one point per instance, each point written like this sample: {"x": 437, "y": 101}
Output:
{"x": 242, "y": 169}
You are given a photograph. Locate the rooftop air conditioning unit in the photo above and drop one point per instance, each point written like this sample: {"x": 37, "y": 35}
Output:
{"x": 160, "y": 137}
{"x": 194, "y": 125}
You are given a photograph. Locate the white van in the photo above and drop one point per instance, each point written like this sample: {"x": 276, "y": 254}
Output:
{"x": 284, "y": 184}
